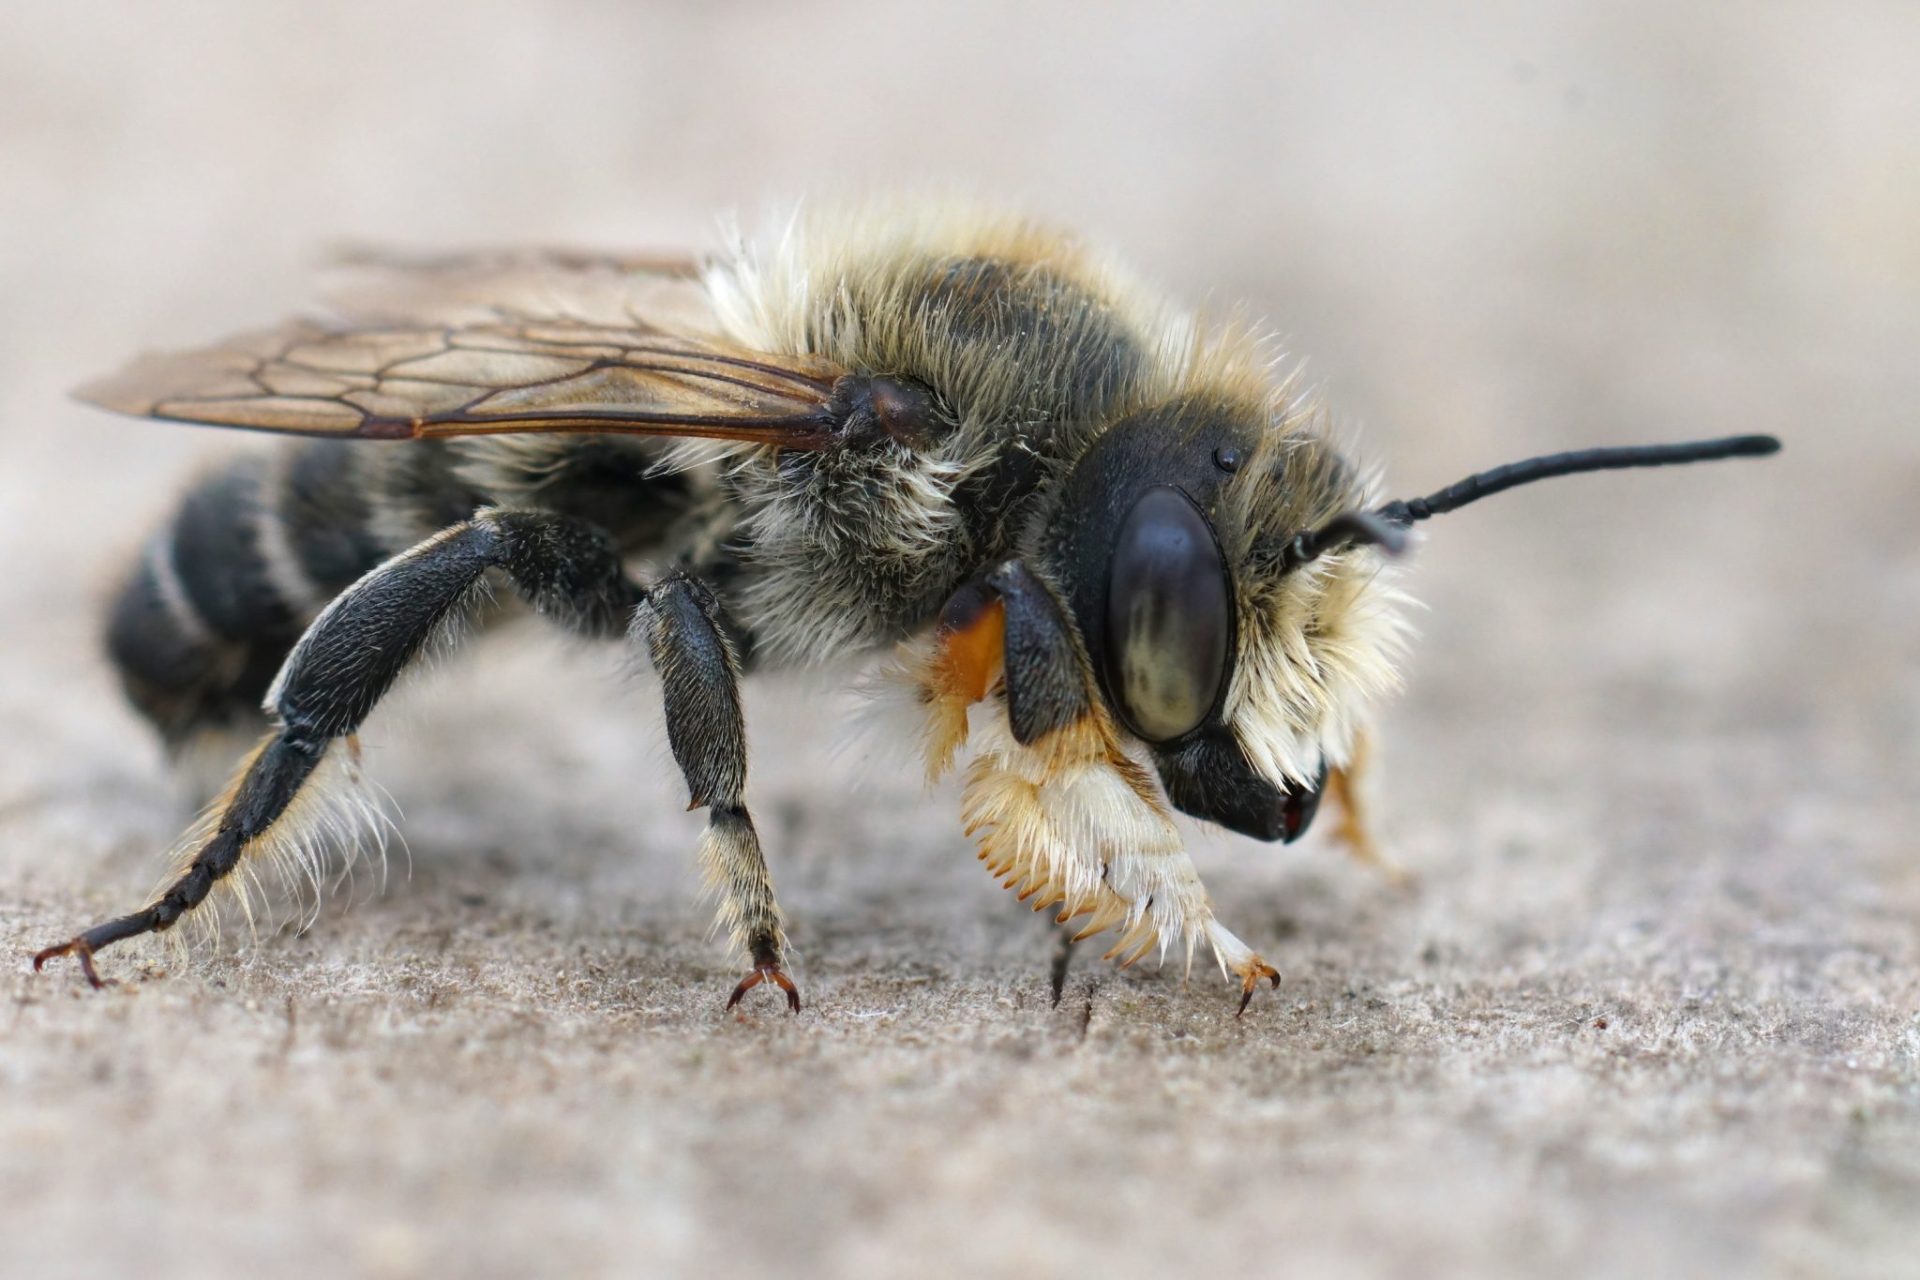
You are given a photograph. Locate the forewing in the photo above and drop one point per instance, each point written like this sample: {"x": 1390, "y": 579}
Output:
{"x": 653, "y": 291}
{"x": 488, "y": 344}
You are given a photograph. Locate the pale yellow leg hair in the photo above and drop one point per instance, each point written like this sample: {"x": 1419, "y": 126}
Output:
{"x": 736, "y": 872}
{"x": 1073, "y": 824}
{"x": 331, "y": 825}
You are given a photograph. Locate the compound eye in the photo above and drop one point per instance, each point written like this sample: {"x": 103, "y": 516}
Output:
{"x": 1168, "y": 617}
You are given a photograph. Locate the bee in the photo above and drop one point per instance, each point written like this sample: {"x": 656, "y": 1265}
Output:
{"x": 1099, "y": 546}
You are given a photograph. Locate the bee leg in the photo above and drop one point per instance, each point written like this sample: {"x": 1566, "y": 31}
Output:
{"x": 1064, "y": 814}
{"x": 1344, "y": 789}
{"x": 1062, "y": 960}
{"x": 351, "y": 656}
{"x": 686, "y": 631}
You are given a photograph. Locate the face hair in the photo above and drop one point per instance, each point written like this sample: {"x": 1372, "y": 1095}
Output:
{"x": 1386, "y": 528}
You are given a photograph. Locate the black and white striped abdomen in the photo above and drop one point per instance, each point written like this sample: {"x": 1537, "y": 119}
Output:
{"x": 252, "y": 554}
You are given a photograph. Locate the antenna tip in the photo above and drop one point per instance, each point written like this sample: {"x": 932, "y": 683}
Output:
{"x": 1755, "y": 446}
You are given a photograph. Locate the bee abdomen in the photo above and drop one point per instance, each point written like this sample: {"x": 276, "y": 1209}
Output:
{"x": 222, "y": 591}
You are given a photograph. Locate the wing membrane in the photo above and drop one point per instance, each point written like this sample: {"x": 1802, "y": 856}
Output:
{"x": 500, "y": 343}
{"x": 651, "y": 291}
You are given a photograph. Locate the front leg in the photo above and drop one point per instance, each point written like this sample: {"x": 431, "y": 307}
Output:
{"x": 685, "y": 631}
{"x": 1065, "y": 815}
{"x": 1346, "y": 788}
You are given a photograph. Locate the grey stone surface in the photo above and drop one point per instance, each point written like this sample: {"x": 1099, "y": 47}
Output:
{"x": 1654, "y": 1007}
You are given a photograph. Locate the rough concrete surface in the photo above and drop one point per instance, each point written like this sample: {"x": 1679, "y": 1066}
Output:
{"x": 1654, "y": 1007}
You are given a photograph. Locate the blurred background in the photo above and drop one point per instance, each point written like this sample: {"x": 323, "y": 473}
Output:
{"x": 1653, "y": 1008}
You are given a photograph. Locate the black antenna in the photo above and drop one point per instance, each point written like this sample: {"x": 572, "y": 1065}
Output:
{"x": 1500, "y": 479}
{"x": 1349, "y": 528}
{"x": 1386, "y": 528}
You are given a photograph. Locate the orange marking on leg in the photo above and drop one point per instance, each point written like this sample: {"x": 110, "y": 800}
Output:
{"x": 970, "y": 653}
{"x": 1354, "y": 831}
{"x": 1256, "y": 969}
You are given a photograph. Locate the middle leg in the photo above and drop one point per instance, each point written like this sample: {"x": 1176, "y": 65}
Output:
{"x": 686, "y": 634}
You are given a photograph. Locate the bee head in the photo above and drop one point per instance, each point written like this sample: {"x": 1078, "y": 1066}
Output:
{"x": 1242, "y": 668}
{"x": 1230, "y": 580}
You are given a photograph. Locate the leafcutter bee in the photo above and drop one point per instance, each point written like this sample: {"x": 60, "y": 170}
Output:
{"x": 1114, "y": 559}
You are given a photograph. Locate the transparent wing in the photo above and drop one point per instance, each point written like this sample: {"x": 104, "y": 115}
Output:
{"x": 513, "y": 342}
{"x": 654, "y": 291}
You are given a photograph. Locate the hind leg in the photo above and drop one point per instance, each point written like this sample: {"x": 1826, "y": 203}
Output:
{"x": 351, "y": 656}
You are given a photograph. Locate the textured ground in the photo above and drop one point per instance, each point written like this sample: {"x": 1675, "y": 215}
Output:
{"x": 1655, "y": 1005}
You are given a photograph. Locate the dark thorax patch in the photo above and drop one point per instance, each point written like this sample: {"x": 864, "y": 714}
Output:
{"x": 1051, "y": 332}
{"x": 1036, "y": 357}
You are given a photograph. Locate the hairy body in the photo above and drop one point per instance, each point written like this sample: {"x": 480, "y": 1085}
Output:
{"x": 957, "y": 436}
